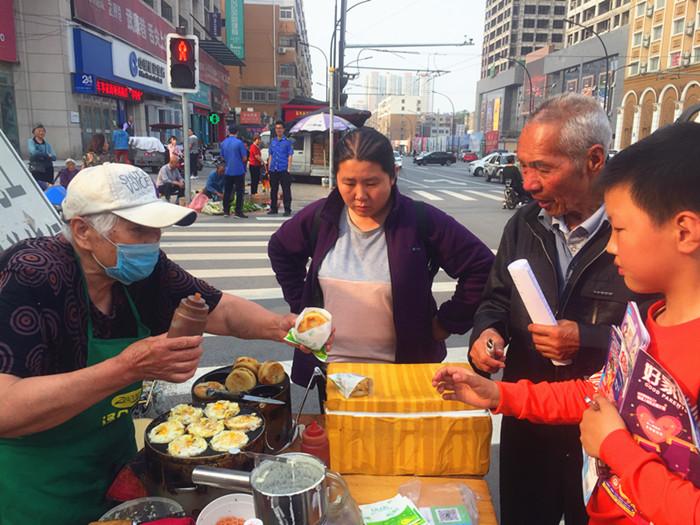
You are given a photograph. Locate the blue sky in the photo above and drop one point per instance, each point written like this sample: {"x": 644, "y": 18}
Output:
{"x": 406, "y": 21}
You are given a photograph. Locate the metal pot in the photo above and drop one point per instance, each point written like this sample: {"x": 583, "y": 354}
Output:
{"x": 306, "y": 503}
{"x": 278, "y": 418}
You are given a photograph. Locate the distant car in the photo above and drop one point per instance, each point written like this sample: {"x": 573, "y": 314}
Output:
{"x": 469, "y": 156}
{"x": 476, "y": 167}
{"x": 436, "y": 157}
{"x": 419, "y": 156}
{"x": 398, "y": 161}
{"x": 494, "y": 168}
{"x": 611, "y": 154}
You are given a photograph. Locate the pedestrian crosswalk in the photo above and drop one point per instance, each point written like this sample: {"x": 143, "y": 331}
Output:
{"x": 459, "y": 194}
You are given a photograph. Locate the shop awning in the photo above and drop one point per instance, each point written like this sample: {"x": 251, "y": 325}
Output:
{"x": 220, "y": 52}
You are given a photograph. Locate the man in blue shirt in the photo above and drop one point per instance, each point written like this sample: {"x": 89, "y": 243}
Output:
{"x": 215, "y": 182}
{"x": 278, "y": 164}
{"x": 120, "y": 145}
{"x": 235, "y": 155}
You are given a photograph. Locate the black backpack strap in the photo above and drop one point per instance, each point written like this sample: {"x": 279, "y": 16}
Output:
{"x": 422, "y": 224}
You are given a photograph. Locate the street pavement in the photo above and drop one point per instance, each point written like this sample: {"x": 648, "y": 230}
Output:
{"x": 231, "y": 254}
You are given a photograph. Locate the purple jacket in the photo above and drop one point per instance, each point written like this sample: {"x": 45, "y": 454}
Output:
{"x": 458, "y": 252}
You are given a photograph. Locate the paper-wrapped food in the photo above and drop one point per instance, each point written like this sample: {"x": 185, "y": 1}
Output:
{"x": 312, "y": 330}
{"x": 352, "y": 385}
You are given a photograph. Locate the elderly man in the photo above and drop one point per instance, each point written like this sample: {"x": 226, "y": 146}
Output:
{"x": 563, "y": 234}
{"x": 169, "y": 181}
{"x": 83, "y": 321}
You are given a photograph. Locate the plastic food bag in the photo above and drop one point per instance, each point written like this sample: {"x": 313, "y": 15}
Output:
{"x": 312, "y": 330}
{"x": 200, "y": 200}
{"x": 352, "y": 385}
{"x": 213, "y": 208}
{"x": 453, "y": 503}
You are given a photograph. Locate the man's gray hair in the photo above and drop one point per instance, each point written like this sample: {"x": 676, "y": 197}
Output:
{"x": 582, "y": 123}
{"x": 102, "y": 222}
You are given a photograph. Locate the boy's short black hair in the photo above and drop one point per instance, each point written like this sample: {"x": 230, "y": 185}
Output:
{"x": 661, "y": 170}
{"x": 279, "y": 123}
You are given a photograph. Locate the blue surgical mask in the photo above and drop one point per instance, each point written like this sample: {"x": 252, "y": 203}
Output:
{"x": 135, "y": 262}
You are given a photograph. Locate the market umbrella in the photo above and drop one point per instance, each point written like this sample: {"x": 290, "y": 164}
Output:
{"x": 321, "y": 122}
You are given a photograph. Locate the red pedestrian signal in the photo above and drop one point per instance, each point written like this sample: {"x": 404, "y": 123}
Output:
{"x": 183, "y": 68}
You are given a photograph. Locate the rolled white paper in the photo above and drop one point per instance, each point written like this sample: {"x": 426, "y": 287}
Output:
{"x": 530, "y": 292}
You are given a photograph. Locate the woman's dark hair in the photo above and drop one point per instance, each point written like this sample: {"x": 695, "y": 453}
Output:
{"x": 660, "y": 170}
{"x": 366, "y": 144}
{"x": 97, "y": 143}
{"x": 172, "y": 137}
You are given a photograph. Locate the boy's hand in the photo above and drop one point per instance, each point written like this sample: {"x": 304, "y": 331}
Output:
{"x": 560, "y": 342}
{"x": 599, "y": 421}
{"x": 461, "y": 384}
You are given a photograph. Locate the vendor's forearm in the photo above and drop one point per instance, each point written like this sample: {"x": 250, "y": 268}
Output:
{"x": 243, "y": 319}
{"x": 39, "y": 403}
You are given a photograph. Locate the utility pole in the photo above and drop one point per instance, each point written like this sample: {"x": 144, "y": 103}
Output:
{"x": 341, "y": 51}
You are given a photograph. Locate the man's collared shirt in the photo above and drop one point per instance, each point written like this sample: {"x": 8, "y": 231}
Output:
{"x": 570, "y": 242}
{"x": 280, "y": 151}
{"x": 233, "y": 151}
{"x": 215, "y": 183}
{"x": 168, "y": 174}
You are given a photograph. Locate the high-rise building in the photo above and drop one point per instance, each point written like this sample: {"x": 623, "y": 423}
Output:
{"x": 513, "y": 29}
{"x": 278, "y": 64}
{"x": 379, "y": 85}
{"x": 663, "y": 65}
{"x": 600, "y": 16}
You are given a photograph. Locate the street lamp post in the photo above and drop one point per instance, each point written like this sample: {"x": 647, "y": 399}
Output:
{"x": 452, "y": 141}
{"x": 529, "y": 80}
{"x": 325, "y": 57}
{"x": 607, "y": 59}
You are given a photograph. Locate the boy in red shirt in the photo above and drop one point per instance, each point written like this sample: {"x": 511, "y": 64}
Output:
{"x": 652, "y": 198}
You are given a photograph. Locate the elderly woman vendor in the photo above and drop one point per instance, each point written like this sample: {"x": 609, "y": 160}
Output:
{"x": 83, "y": 317}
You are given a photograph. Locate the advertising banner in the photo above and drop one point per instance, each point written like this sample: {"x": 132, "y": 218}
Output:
{"x": 133, "y": 22}
{"x": 235, "y": 27}
{"x": 8, "y": 39}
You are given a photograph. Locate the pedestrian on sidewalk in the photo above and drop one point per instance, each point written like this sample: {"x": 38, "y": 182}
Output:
{"x": 214, "y": 188}
{"x": 255, "y": 163}
{"x": 98, "y": 151}
{"x": 41, "y": 157}
{"x": 373, "y": 260}
{"x": 195, "y": 149}
{"x": 278, "y": 163}
{"x": 235, "y": 155}
{"x": 128, "y": 126}
{"x": 66, "y": 174}
{"x": 170, "y": 181}
{"x": 120, "y": 145}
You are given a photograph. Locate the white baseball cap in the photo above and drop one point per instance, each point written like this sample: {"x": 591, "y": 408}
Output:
{"x": 124, "y": 190}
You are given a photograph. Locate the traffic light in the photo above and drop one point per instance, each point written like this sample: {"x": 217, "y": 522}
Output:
{"x": 183, "y": 63}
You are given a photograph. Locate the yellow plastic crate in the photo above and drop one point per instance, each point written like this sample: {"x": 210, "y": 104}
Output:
{"x": 404, "y": 427}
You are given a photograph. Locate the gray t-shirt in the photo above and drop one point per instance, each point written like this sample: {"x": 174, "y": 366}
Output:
{"x": 356, "y": 284}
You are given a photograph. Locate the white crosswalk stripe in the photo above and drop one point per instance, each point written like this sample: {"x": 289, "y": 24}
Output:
{"x": 427, "y": 195}
{"x": 213, "y": 244}
{"x": 459, "y": 196}
{"x": 181, "y": 257}
{"x": 219, "y": 233}
{"x": 485, "y": 195}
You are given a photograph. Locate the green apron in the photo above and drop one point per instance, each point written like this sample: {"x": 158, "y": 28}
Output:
{"x": 60, "y": 476}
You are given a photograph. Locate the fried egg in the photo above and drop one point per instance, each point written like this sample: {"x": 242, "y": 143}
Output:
{"x": 205, "y": 427}
{"x": 227, "y": 439}
{"x": 166, "y": 432}
{"x": 185, "y": 414}
{"x": 221, "y": 409}
{"x": 187, "y": 446}
{"x": 246, "y": 423}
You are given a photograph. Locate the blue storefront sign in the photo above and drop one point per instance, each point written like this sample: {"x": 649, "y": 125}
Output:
{"x": 84, "y": 83}
{"x": 94, "y": 61}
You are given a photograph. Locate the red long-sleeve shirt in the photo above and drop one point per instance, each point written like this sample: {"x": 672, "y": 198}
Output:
{"x": 659, "y": 494}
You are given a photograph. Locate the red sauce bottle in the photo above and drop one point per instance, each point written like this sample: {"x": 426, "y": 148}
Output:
{"x": 314, "y": 441}
{"x": 190, "y": 317}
